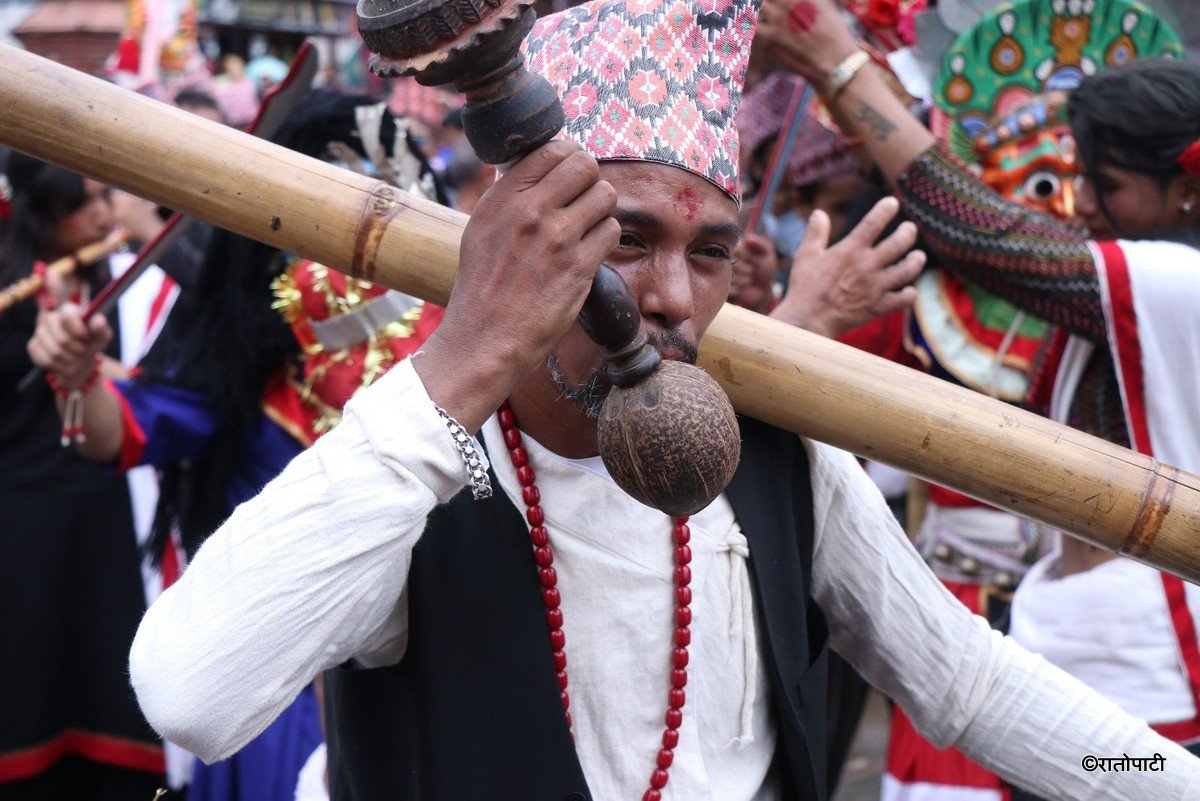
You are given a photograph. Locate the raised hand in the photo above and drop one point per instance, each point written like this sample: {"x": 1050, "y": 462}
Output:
{"x": 754, "y": 266}
{"x": 811, "y": 37}
{"x": 808, "y": 37}
{"x": 834, "y": 289}
{"x": 526, "y": 263}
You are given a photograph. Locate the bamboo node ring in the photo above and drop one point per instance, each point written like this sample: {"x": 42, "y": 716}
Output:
{"x": 379, "y": 207}
{"x": 1156, "y": 503}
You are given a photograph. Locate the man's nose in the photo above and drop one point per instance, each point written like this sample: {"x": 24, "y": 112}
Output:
{"x": 666, "y": 291}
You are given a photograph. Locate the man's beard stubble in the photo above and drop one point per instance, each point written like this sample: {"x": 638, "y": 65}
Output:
{"x": 589, "y": 396}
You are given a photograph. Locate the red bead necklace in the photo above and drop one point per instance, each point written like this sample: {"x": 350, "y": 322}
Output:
{"x": 551, "y": 599}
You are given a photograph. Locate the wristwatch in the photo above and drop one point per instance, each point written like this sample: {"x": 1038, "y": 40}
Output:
{"x": 843, "y": 73}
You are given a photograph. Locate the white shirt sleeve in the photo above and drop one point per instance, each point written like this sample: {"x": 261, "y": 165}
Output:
{"x": 303, "y": 577}
{"x": 961, "y": 683}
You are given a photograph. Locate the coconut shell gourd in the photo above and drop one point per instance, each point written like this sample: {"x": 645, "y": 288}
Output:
{"x": 671, "y": 441}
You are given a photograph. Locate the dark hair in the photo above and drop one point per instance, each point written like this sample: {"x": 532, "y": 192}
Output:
{"x": 196, "y": 98}
{"x": 1138, "y": 117}
{"x": 464, "y": 166}
{"x": 227, "y": 341}
{"x": 238, "y": 340}
{"x": 42, "y": 194}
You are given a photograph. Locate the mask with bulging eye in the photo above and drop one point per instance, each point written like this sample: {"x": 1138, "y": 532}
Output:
{"x": 1028, "y": 156}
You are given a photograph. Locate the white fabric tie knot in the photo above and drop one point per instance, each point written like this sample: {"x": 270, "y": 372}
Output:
{"x": 735, "y": 542}
{"x": 741, "y": 611}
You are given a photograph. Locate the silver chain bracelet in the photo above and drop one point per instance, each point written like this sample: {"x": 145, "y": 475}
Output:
{"x": 481, "y": 485}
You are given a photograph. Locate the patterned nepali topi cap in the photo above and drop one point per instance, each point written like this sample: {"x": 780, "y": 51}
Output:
{"x": 651, "y": 80}
{"x": 818, "y": 153}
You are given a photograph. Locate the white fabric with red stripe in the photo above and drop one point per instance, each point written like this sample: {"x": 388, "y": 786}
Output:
{"x": 144, "y": 307}
{"x": 1141, "y": 648}
{"x": 143, "y": 310}
{"x": 1151, "y": 294}
{"x": 1111, "y": 628}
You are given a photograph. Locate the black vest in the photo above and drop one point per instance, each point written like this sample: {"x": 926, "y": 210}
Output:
{"x": 472, "y": 711}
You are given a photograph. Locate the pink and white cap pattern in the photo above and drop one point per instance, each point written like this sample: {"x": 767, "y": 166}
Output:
{"x": 651, "y": 80}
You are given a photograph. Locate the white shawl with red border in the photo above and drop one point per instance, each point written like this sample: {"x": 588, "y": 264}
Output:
{"x": 1151, "y": 297}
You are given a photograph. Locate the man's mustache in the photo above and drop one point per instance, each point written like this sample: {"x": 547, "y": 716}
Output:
{"x": 674, "y": 340}
{"x": 589, "y": 396}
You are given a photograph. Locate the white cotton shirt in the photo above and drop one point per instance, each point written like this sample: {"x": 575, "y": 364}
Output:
{"x": 1110, "y": 627}
{"x": 312, "y": 573}
{"x": 615, "y": 563}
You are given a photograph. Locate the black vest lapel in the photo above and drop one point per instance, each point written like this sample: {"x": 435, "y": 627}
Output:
{"x": 473, "y": 709}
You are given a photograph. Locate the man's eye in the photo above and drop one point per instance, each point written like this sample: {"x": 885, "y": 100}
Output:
{"x": 715, "y": 252}
{"x": 628, "y": 240}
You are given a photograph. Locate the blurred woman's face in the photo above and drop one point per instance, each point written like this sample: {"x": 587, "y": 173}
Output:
{"x": 90, "y": 222}
{"x": 1137, "y": 204}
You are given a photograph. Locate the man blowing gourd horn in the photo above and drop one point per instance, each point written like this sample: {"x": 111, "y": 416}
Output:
{"x": 543, "y": 635}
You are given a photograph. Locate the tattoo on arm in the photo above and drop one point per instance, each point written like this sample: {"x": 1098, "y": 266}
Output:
{"x": 880, "y": 126}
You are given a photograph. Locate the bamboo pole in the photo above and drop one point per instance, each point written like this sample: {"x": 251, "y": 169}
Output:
{"x": 1107, "y": 495}
{"x": 207, "y": 170}
{"x": 30, "y": 285}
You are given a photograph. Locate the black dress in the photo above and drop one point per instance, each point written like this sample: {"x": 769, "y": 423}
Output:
{"x": 71, "y": 597}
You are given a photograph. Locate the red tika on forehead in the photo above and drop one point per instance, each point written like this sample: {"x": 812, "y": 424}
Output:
{"x": 651, "y": 80}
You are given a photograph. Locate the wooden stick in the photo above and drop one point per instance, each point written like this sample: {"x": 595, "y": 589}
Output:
{"x": 1107, "y": 495}
{"x": 30, "y": 285}
{"x": 789, "y": 129}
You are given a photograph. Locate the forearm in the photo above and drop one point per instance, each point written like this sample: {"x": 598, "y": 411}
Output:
{"x": 963, "y": 684}
{"x": 303, "y": 577}
{"x": 1034, "y": 261}
{"x": 811, "y": 37}
{"x": 868, "y": 109}
{"x": 103, "y": 430}
{"x": 469, "y": 388}
{"x": 1036, "y": 724}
